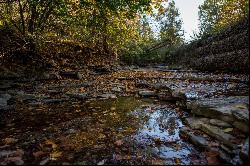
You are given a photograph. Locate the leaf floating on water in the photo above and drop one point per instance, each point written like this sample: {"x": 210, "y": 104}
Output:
{"x": 177, "y": 160}
{"x": 228, "y": 130}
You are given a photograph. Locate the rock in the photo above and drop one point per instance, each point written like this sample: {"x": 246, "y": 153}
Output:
{"x": 244, "y": 153}
{"x": 118, "y": 89}
{"x": 79, "y": 96}
{"x": 26, "y": 97}
{"x": 147, "y": 93}
{"x": 125, "y": 78}
{"x": 108, "y": 96}
{"x": 204, "y": 144}
{"x": 102, "y": 69}
{"x": 54, "y": 101}
{"x": 7, "y": 74}
{"x": 48, "y": 76}
{"x": 241, "y": 112}
{"x": 142, "y": 84}
{"x": 199, "y": 141}
{"x": 4, "y": 98}
{"x": 161, "y": 86}
{"x": 7, "y": 84}
{"x": 14, "y": 160}
{"x": 55, "y": 92}
{"x": 228, "y": 109}
{"x": 71, "y": 74}
{"x": 196, "y": 122}
{"x": 165, "y": 96}
{"x": 241, "y": 126}
{"x": 219, "y": 134}
{"x": 219, "y": 123}
{"x": 179, "y": 95}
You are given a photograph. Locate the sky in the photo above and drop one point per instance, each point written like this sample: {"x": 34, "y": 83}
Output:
{"x": 189, "y": 13}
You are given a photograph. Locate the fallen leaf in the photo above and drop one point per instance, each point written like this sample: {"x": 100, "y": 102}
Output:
{"x": 10, "y": 140}
{"x": 213, "y": 160}
{"x": 177, "y": 160}
{"x": 112, "y": 108}
{"x": 119, "y": 142}
{"x": 48, "y": 142}
{"x": 55, "y": 155}
{"x": 15, "y": 160}
{"x": 227, "y": 130}
{"x": 39, "y": 154}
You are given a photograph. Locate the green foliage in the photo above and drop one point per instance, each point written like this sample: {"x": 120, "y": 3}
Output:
{"x": 170, "y": 25}
{"x": 214, "y": 15}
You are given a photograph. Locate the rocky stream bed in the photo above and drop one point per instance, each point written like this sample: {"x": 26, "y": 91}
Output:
{"x": 124, "y": 115}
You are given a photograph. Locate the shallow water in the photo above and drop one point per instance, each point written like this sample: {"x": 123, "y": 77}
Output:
{"x": 126, "y": 130}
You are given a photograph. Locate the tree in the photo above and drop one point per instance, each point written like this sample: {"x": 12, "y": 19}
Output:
{"x": 170, "y": 24}
{"x": 214, "y": 15}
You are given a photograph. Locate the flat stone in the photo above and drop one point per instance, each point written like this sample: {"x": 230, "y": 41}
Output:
{"x": 48, "y": 76}
{"x": 199, "y": 141}
{"x": 179, "y": 95}
{"x": 142, "y": 84}
{"x": 79, "y": 96}
{"x": 147, "y": 93}
{"x": 204, "y": 144}
{"x": 117, "y": 89}
{"x": 108, "y": 96}
{"x": 232, "y": 109}
{"x": 219, "y": 123}
{"x": 241, "y": 112}
{"x": 161, "y": 86}
{"x": 219, "y": 134}
{"x": 54, "y": 101}
{"x": 196, "y": 122}
{"x": 166, "y": 96}
{"x": 71, "y": 74}
{"x": 25, "y": 96}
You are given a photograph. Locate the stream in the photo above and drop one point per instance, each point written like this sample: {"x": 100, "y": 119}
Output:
{"x": 126, "y": 129}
